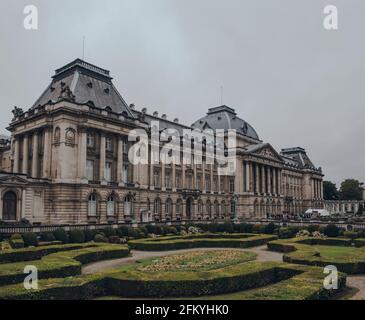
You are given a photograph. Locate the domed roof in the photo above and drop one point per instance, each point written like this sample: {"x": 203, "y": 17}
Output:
{"x": 224, "y": 117}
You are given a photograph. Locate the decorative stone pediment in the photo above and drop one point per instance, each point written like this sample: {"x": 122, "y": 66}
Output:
{"x": 13, "y": 179}
{"x": 266, "y": 151}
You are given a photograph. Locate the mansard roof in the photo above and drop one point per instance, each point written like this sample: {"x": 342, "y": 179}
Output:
{"x": 226, "y": 118}
{"x": 297, "y": 157}
{"x": 84, "y": 83}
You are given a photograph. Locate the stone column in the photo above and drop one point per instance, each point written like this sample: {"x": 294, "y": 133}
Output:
{"x": 174, "y": 176}
{"x": 183, "y": 178}
{"x": 25, "y": 155}
{"x": 102, "y": 160}
{"x": 257, "y": 180}
{"x": 82, "y": 155}
{"x": 163, "y": 170}
{"x": 248, "y": 189}
{"x": 211, "y": 178}
{"x": 273, "y": 185}
{"x": 16, "y": 155}
{"x": 46, "y": 153}
{"x": 269, "y": 185}
{"x": 120, "y": 162}
{"x": 204, "y": 187}
{"x": 194, "y": 175}
{"x": 35, "y": 156}
{"x": 263, "y": 179}
{"x": 280, "y": 183}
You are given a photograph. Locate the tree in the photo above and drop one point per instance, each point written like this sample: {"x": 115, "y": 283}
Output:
{"x": 330, "y": 191}
{"x": 351, "y": 189}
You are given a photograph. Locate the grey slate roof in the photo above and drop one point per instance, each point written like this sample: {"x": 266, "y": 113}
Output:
{"x": 88, "y": 84}
{"x": 224, "y": 117}
{"x": 298, "y": 157}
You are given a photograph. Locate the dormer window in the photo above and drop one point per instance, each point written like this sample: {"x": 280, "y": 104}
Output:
{"x": 107, "y": 90}
{"x": 90, "y": 85}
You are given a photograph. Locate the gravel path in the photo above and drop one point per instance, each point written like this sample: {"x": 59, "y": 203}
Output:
{"x": 357, "y": 282}
{"x": 262, "y": 255}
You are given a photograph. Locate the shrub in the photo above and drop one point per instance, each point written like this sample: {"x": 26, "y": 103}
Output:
{"x": 16, "y": 236}
{"x": 89, "y": 235}
{"x": 77, "y": 236}
{"x": 122, "y": 231}
{"x": 331, "y": 230}
{"x": 109, "y": 232}
{"x": 313, "y": 227}
{"x": 269, "y": 228}
{"x": 17, "y": 243}
{"x": 61, "y": 235}
{"x": 151, "y": 229}
{"x": 351, "y": 235}
{"x": 243, "y": 228}
{"x": 114, "y": 240}
{"x": 100, "y": 238}
{"x": 286, "y": 233}
{"x": 225, "y": 227}
{"x": 256, "y": 228}
{"x": 47, "y": 236}
{"x": 172, "y": 230}
{"x": 30, "y": 239}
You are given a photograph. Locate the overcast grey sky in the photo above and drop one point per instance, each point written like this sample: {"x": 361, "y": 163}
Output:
{"x": 294, "y": 82}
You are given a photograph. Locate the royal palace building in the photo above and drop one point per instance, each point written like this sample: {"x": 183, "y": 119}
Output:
{"x": 66, "y": 162}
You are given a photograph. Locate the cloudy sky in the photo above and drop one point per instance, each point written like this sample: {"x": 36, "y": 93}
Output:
{"x": 296, "y": 83}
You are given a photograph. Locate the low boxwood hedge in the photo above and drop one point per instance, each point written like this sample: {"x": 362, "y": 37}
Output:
{"x": 27, "y": 254}
{"x": 322, "y": 252}
{"x": 62, "y": 264}
{"x": 282, "y": 282}
{"x": 201, "y": 241}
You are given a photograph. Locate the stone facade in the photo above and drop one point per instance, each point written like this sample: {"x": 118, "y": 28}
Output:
{"x": 67, "y": 163}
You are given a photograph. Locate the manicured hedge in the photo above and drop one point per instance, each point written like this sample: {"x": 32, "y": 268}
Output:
{"x": 322, "y": 252}
{"x": 277, "y": 281}
{"x": 62, "y": 264}
{"x": 28, "y": 254}
{"x": 201, "y": 241}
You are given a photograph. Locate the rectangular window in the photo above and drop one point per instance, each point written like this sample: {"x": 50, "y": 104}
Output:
{"x": 168, "y": 183}
{"x": 156, "y": 179}
{"x": 90, "y": 170}
{"x": 108, "y": 171}
{"x": 178, "y": 181}
{"x": 90, "y": 140}
{"x": 109, "y": 144}
{"x": 125, "y": 173}
{"x": 207, "y": 183}
{"x": 231, "y": 185}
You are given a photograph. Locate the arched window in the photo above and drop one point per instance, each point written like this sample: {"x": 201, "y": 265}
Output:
{"x": 70, "y": 136}
{"x": 9, "y": 206}
{"x": 157, "y": 207}
{"x": 168, "y": 209}
{"x": 233, "y": 208}
{"x": 209, "y": 208}
{"x": 128, "y": 206}
{"x": 92, "y": 205}
{"x": 200, "y": 207}
{"x": 216, "y": 209}
{"x": 178, "y": 207}
{"x": 111, "y": 206}
{"x": 224, "y": 208}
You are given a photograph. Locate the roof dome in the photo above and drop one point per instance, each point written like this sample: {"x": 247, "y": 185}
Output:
{"x": 224, "y": 117}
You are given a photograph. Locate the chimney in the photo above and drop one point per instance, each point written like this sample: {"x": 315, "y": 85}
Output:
{"x": 155, "y": 114}
{"x": 176, "y": 120}
{"x": 144, "y": 110}
{"x": 164, "y": 116}
{"x": 132, "y": 106}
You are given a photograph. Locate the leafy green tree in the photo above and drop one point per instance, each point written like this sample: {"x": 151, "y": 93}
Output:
{"x": 330, "y": 191}
{"x": 351, "y": 189}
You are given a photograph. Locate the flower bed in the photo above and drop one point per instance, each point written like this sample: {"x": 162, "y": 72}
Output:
{"x": 201, "y": 241}
{"x": 62, "y": 264}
